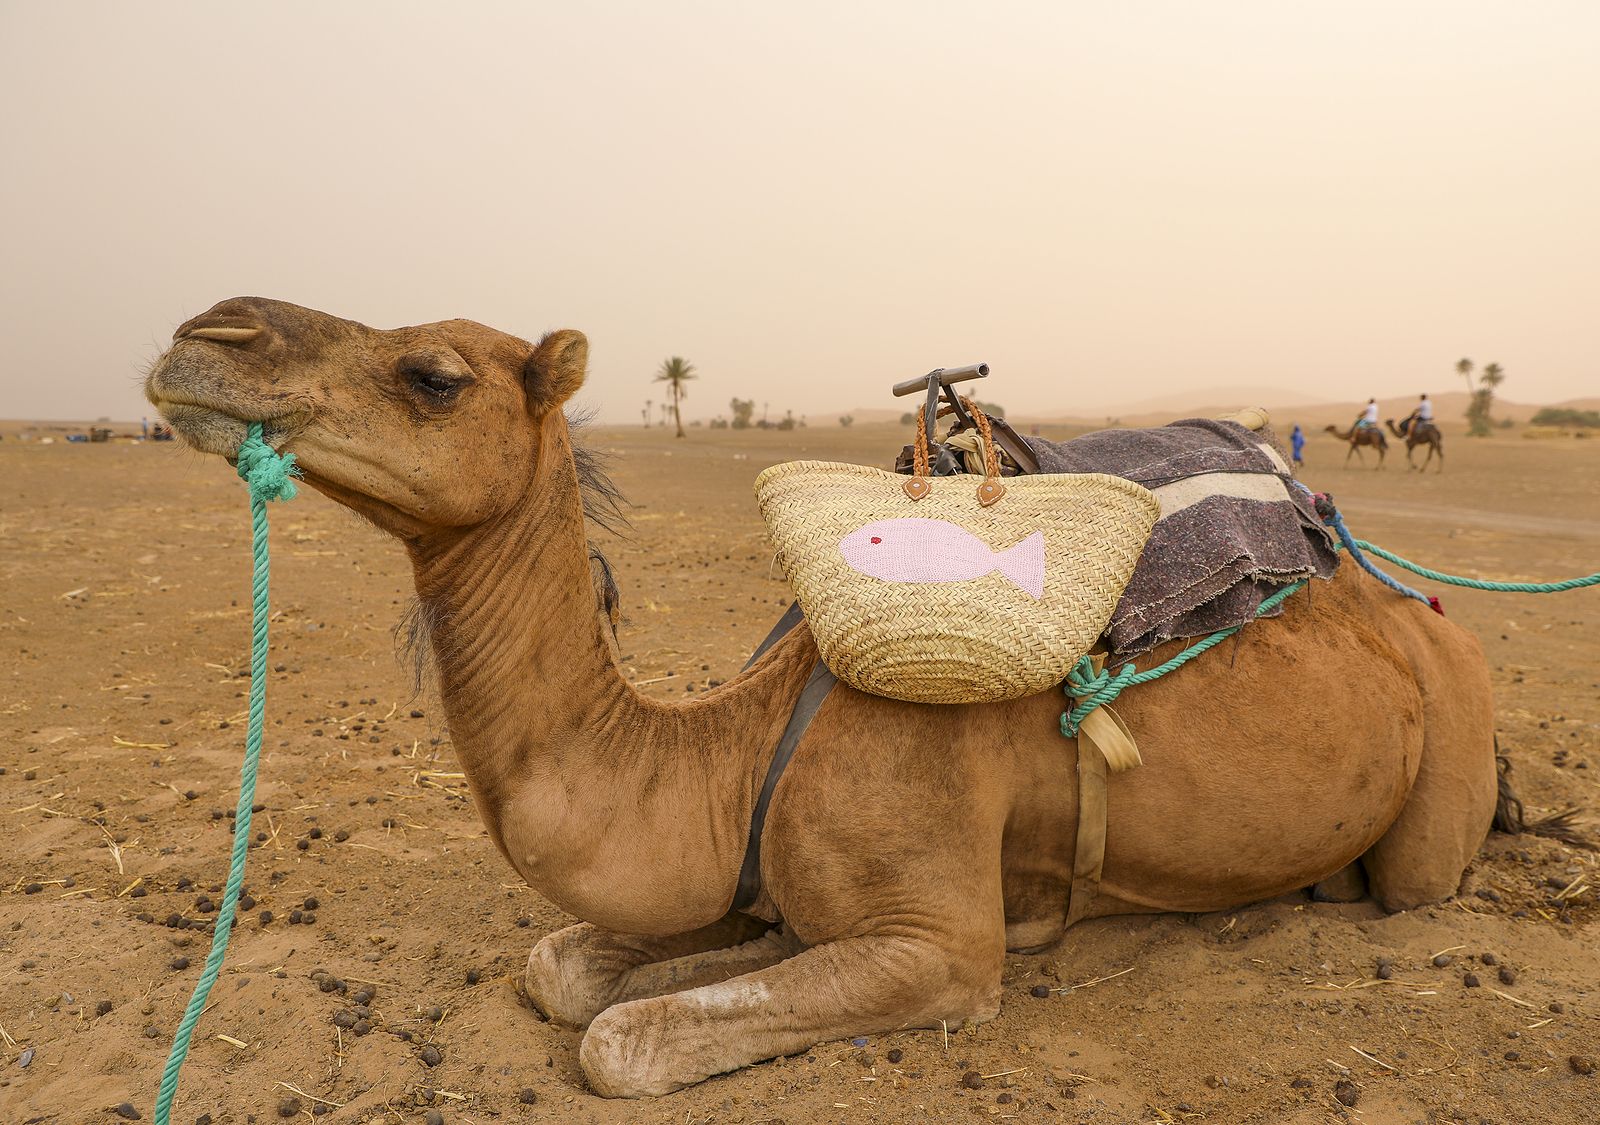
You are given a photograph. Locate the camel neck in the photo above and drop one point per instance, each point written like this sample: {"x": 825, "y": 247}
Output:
{"x": 521, "y": 647}
{"x": 569, "y": 765}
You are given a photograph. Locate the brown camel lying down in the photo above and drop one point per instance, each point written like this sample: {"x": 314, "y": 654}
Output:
{"x": 908, "y": 847}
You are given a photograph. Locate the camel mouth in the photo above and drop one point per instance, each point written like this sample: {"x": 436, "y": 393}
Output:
{"x": 212, "y": 428}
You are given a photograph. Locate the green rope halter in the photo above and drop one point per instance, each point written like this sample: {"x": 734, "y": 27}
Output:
{"x": 270, "y": 477}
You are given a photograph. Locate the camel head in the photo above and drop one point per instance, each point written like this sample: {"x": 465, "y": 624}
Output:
{"x": 419, "y": 429}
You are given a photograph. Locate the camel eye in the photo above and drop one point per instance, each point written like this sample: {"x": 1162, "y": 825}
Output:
{"x": 433, "y": 382}
{"x": 428, "y": 381}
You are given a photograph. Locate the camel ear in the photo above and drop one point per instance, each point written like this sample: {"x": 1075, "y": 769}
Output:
{"x": 555, "y": 370}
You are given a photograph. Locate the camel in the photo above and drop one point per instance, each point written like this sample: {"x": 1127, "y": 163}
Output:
{"x": 1358, "y": 436}
{"x": 1420, "y": 433}
{"x": 1346, "y": 745}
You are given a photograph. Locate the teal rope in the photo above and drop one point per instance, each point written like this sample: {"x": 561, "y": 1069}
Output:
{"x": 1094, "y": 689}
{"x": 270, "y": 477}
{"x": 1479, "y": 583}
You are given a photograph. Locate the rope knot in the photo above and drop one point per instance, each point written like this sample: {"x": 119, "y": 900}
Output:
{"x": 269, "y": 474}
{"x": 1093, "y": 687}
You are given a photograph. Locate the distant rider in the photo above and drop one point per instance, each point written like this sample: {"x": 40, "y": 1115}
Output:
{"x": 1369, "y": 416}
{"x": 1422, "y": 415}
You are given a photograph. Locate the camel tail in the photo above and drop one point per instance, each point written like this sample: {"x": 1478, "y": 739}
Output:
{"x": 1510, "y": 818}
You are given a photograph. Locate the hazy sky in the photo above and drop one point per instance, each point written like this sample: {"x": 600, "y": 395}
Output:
{"x": 812, "y": 201}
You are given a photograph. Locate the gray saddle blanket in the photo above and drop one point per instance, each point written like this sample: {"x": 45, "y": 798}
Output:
{"x": 1235, "y": 527}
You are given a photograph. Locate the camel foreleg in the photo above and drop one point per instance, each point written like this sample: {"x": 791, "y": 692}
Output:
{"x": 864, "y": 985}
{"x": 575, "y": 974}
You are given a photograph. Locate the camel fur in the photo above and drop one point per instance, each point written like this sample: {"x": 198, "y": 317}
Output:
{"x": 909, "y": 846}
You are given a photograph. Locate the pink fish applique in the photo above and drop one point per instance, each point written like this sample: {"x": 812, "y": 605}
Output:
{"x": 923, "y": 550}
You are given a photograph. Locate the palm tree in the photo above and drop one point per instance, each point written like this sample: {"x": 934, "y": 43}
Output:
{"x": 1493, "y": 375}
{"x": 675, "y": 372}
{"x": 1464, "y": 369}
{"x": 648, "y": 403}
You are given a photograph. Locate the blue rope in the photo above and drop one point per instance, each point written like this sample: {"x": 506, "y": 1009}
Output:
{"x": 1353, "y": 545}
{"x": 270, "y": 477}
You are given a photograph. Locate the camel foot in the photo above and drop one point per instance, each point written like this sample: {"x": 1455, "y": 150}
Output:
{"x": 575, "y": 974}
{"x": 1348, "y": 884}
{"x": 855, "y": 986}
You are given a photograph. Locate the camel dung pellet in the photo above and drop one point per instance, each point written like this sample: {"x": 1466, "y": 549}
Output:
{"x": 311, "y": 902}
{"x": 1470, "y": 980}
{"x": 434, "y": 1117}
{"x": 289, "y": 1107}
{"x": 303, "y": 845}
{"x": 895, "y": 1055}
{"x": 315, "y": 834}
{"x": 1507, "y": 975}
{"x": 1039, "y": 991}
{"x": 1004, "y": 1099}
{"x": 1442, "y": 960}
{"x": 1557, "y": 1007}
{"x": 1581, "y": 1064}
{"x": 972, "y": 1080}
{"x": 102, "y": 1008}
{"x": 1346, "y": 1092}
{"x": 152, "y": 1032}
{"x": 361, "y": 1027}
{"x": 472, "y": 976}
{"x": 528, "y": 1097}
{"x": 330, "y": 984}
{"x": 1385, "y": 972}
{"x": 341, "y": 836}
{"x": 180, "y": 963}
{"x": 295, "y": 917}
{"x": 127, "y": 1112}
{"x": 1489, "y": 959}
{"x": 344, "y": 1019}
{"x": 1513, "y": 1056}
{"x": 265, "y": 918}
{"x": 435, "y": 1014}
{"x": 364, "y": 995}
{"x": 430, "y": 1056}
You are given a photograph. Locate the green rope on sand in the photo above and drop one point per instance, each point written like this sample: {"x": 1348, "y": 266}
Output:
{"x": 270, "y": 477}
{"x": 1479, "y": 583}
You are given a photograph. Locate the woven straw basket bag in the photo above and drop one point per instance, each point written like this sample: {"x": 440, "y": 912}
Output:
{"x": 943, "y": 590}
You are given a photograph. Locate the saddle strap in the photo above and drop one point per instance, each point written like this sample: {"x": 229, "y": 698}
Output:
{"x": 805, "y": 709}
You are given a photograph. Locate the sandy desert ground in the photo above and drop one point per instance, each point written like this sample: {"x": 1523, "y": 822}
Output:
{"x": 123, "y": 628}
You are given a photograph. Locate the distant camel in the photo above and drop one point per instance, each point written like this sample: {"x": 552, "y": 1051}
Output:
{"x": 1421, "y": 433}
{"x": 1358, "y": 436}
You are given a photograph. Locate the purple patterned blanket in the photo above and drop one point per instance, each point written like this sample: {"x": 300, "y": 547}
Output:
{"x": 1234, "y": 525}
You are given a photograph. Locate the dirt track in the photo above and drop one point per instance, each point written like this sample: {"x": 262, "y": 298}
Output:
{"x": 123, "y": 621}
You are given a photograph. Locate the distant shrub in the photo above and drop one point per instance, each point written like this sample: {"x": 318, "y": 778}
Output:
{"x": 742, "y": 409}
{"x": 1565, "y": 416}
{"x": 847, "y": 420}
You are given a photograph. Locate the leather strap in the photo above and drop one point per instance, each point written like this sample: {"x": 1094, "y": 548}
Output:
{"x": 805, "y": 709}
{"x": 1089, "y": 853}
{"x": 791, "y": 617}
